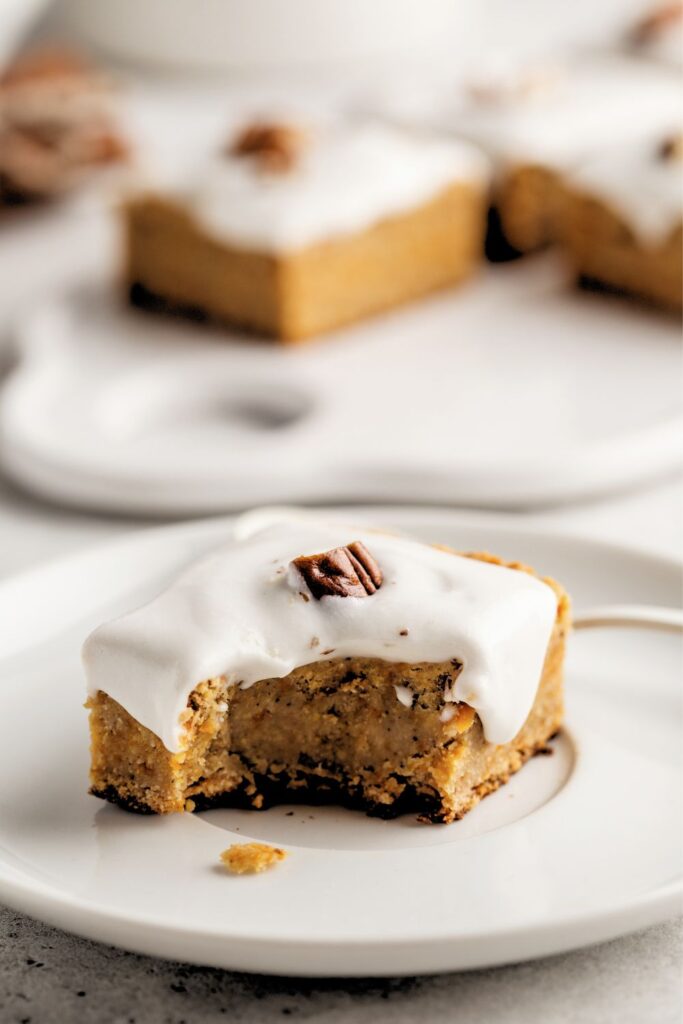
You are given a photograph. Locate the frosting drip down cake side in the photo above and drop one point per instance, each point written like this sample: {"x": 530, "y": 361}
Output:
{"x": 304, "y": 664}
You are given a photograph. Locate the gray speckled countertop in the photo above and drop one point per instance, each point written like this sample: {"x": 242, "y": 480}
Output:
{"x": 47, "y": 976}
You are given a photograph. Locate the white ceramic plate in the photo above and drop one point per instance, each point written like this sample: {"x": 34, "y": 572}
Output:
{"x": 262, "y": 35}
{"x": 512, "y": 390}
{"x": 577, "y": 848}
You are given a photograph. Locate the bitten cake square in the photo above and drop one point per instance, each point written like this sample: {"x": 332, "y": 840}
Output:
{"x": 314, "y": 663}
{"x": 291, "y": 232}
{"x": 623, "y": 221}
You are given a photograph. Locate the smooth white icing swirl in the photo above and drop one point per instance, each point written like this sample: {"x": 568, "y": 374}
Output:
{"x": 347, "y": 178}
{"x": 239, "y": 613}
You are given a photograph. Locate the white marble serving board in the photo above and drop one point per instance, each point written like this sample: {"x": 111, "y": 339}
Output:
{"x": 514, "y": 390}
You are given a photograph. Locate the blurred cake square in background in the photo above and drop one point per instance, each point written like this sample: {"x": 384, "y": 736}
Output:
{"x": 294, "y": 229}
{"x": 623, "y": 220}
{"x": 538, "y": 119}
{"x": 397, "y": 678}
{"x": 57, "y": 126}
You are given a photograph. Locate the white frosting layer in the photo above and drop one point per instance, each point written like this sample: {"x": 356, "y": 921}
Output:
{"x": 642, "y": 188}
{"x": 564, "y": 119}
{"x": 240, "y": 613}
{"x": 347, "y": 178}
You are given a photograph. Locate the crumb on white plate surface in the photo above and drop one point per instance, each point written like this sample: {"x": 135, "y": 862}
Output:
{"x": 251, "y": 858}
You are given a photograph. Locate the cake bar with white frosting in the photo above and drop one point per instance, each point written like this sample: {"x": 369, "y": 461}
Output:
{"x": 296, "y": 229}
{"x": 623, "y": 222}
{"x": 538, "y": 120}
{"x": 312, "y": 662}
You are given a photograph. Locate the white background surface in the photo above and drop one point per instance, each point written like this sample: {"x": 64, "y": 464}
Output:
{"x": 632, "y": 980}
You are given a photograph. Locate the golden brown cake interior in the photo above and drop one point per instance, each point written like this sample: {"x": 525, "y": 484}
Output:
{"x": 332, "y": 731}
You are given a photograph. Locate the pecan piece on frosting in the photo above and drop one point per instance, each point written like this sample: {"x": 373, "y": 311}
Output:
{"x": 274, "y": 147}
{"x": 350, "y": 571}
{"x": 672, "y": 148}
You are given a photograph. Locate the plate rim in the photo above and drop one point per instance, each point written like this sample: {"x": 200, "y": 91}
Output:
{"x": 137, "y": 934}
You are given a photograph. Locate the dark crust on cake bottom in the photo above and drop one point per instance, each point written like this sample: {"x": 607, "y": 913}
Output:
{"x": 317, "y": 790}
{"x": 312, "y": 790}
{"x": 128, "y": 803}
{"x": 593, "y": 284}
{"x": 151, "y": 302}
{"x": 259, "y": 792}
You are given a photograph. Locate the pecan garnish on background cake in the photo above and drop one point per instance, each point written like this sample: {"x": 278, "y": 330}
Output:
{"x": 672, "y": 148}
{"x": 275, "y": 147}
{"x": 56, "y": 124}
{"x": 349, "y": 571}
{"x": 656, "y": 21}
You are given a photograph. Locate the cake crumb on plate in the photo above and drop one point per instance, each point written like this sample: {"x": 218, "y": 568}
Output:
{"x": 251, "y": 858}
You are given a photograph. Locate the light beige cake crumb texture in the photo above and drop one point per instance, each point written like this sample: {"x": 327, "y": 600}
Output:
{"x": 251, "y": 858}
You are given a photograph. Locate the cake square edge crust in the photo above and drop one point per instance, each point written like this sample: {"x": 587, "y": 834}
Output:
{"x": 363, "y": 733}
{"x": 172, "y": 265}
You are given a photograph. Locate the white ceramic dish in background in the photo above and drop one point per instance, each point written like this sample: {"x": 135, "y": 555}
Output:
{"x": 262, "y": 35}
{"x": 269, "y": 35}
{"x": 511, "y": 391}
{"x": 577, "y": 848}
